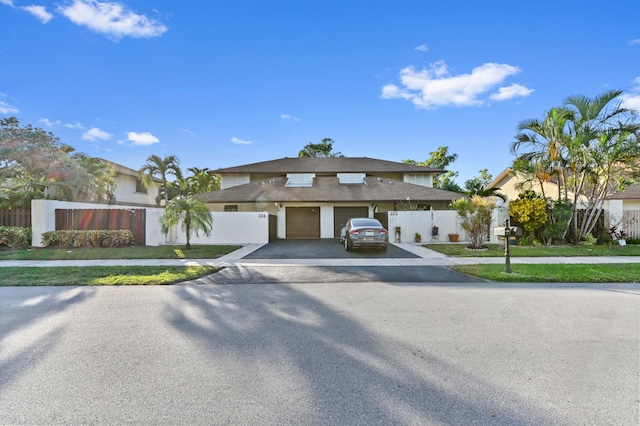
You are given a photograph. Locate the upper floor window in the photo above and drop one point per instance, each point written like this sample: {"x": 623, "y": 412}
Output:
{"x": 140, "y": 187}
{"x": 422, "y": 179}
{"x": 351, "y": 178}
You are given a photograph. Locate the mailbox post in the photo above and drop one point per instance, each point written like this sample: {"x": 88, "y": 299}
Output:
{"x": 507, "y": 252}
{"x": 507, "y": 233}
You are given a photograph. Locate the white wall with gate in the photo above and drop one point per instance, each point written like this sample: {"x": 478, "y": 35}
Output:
{"x": 228, "y": 227}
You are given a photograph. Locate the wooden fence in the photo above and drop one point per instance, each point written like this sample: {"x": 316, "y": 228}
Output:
{"x": 103, "y": 219}
{"x": 631, "y": 223}
{"x": 20, "y": 217}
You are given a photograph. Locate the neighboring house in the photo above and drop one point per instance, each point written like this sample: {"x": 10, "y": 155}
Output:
{"x": 129, "y": 188}
{"x": 313, "y": 197}
{"x": 510, "y": 184}
{"x": 624, "y": 210}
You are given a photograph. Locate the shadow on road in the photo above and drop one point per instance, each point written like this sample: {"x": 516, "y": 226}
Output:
{"x": 33, "y": 339}
{"x": 333, "y": 369}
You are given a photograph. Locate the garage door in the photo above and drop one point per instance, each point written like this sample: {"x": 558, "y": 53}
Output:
{"x": 342, "y": 214}
{"x": 303, "y": 222}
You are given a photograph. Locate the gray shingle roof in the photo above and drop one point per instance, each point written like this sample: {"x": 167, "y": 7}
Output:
{"x": 327, "y": 165}
{"x": 631, "y": 192}
{"x": 328, "y": 189}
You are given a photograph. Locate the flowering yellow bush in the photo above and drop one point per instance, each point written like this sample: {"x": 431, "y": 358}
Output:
{"x": 531, "y": 213}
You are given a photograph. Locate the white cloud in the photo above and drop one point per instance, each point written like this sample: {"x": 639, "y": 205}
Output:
{"x": 5, "y": 108}
{"x": 240, "y": 141}
{"x": 40, "y": 12}
{"x": 433, "y": 87}
{"x": 190, "y": 133}
{"x": 7, "y": 2}
{"x": 509, "y": 92}
{"x": 421, "y": 48}
{"x": 112, "y": 19}
{"x": 94, "y": 134}
{"x": 144, "y": 139}
{"x": 632, "y": 100}
{"x": 77, "y": 125}
{"x": 289, "y": 117}
{"x": 48, "y": 122}
{"x": 636, "y": 41}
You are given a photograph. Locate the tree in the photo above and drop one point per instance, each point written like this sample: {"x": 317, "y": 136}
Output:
{"x": 440, "y": 159}
{"x": 202, "y": 181}
{"x": 475, "y": 214}
{"x": 589, "y": 147}
{"x": 35, "y": 164}
{"x": 160, "y": 168}
{"x": 319, "y": 150}
{"x": 191, "y": 213}
{"x": 479, "y": 186}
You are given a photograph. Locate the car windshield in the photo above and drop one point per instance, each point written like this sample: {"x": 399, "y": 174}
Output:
{"x": 366, "y": 222}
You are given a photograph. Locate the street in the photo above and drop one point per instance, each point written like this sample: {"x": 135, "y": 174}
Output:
{"x": 333, "y": 353}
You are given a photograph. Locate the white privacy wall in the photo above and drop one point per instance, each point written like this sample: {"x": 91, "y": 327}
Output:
{"x": 231, "y": 228}
{"x": 422, "y": 221}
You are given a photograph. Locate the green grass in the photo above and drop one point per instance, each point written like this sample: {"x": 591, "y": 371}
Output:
{"x": 101, "y": 275}
{"x": 556, "y": 273}
{"x": 494, "y": 250}
{"x": 161, "y": 252}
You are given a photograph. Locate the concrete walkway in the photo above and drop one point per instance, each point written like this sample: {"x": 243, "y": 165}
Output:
{"x": 426, "y": 257}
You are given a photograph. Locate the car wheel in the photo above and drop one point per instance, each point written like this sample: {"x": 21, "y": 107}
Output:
{"x": 346, "y": 244}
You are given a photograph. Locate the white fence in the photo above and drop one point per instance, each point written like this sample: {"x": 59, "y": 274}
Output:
{"x": 228, "y": 227}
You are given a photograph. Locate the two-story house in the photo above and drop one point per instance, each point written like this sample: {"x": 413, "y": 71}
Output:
{"x": 313, "y": 197}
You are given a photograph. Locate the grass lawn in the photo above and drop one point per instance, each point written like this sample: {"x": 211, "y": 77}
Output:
{"x": 494, "y": 250}
{"x": 101, "y": 275}
{"x": 161, "y": 252}
{"x": 557, "y": 273}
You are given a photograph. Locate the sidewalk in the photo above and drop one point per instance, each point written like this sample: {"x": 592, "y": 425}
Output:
{"x": 426, "y": 258}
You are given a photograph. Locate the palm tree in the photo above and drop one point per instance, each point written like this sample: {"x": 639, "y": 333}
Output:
{"x": 202, "y": 181}
{"x": 160, "y": 168}
{"x": 192, "y": 213}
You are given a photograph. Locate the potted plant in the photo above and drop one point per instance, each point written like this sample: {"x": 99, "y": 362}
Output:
{"x": 453, "y": 237}
{"x": 418, "y": 237}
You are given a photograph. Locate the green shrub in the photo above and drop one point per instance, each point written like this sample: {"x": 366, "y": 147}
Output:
{"x": 88, "y": 239}
{"x": 589, "y": 240}
{"x": 13, "y": 237}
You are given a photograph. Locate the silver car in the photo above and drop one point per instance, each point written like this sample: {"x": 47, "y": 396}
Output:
{"x": 364, "y": 232}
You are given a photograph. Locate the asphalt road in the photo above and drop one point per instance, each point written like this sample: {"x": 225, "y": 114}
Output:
{"x": 356, "y": 353}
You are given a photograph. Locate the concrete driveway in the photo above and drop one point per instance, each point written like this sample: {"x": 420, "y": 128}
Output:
{"x": 323, "y": 249}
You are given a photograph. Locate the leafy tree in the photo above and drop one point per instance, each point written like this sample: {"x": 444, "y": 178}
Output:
{"x": 35, "y": 164}
{"x": 479, "y": 186}
{"x": 191, "y": 213}
{"x": 440, "y": 159}
{"x": 475, "y": 214}
{"x": 161, "y": 168}
{"x": 319, "y": 150}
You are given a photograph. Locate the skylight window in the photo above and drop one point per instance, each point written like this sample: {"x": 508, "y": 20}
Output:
{"x": 351, "y": 178}
{"x": 299, "y": 180}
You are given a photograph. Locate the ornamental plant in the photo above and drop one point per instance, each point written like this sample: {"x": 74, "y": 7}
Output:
{"x": 475, "y": 214}
{"x": 531, "y": 213}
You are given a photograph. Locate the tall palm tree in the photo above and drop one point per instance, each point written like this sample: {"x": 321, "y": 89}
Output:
{"x": 160, "y": 168}
{"x": 191, "y": 213}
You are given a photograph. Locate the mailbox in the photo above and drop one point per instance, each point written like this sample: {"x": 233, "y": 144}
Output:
{"x": 502, "y": 232}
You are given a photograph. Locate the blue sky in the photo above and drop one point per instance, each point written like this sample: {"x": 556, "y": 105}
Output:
{"x": 225, "y": 83}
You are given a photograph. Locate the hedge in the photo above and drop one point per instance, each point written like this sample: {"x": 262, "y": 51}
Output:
{"x": 13, "y": 237}
{"x": 88, "y": 239}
